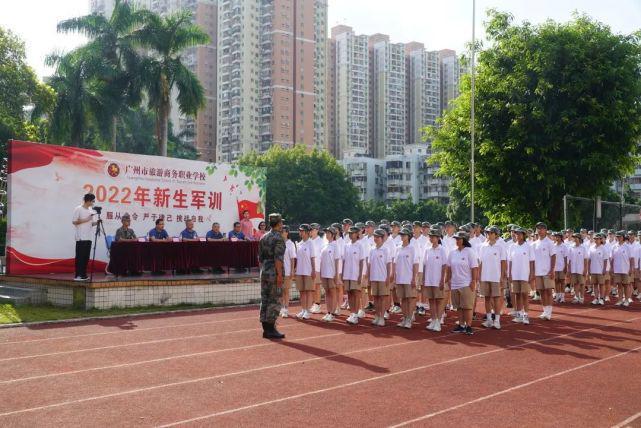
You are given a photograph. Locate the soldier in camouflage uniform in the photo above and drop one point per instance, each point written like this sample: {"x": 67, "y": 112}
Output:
{"x": 271, "y": 251}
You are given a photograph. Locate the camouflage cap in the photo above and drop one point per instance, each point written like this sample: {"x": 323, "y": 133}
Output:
{"x": 541, "y": 225}
{"x": 370, "y": 223}
{"x": 435, "y": 232}
{"x": 315, "y": 226}
{"x": 395, "y": 224}
{"x": 304, "y": 227}
{"x": 406, "y": 232}
{"x": 386, "y": 228}
{"x": 417, "y": 223}
{"x": 275, "y": 218}
{"x": 347, "y": 221}
{"x": 426, "y": 224}
{"x": 331, "y": 230}
{"x": 449, "y": 223}
{"x": 379, "y": 232}
{"x": 360, "y": 225}
{"x": 336, "y": 225}
{"x": 620, "y": 233}
{"x": 353, "y": 229}
{"x": 493, "y": 229}
{"x": 559, "y": 234}
{"x": 384, "y": 221}
{"x": 462, "y": 235}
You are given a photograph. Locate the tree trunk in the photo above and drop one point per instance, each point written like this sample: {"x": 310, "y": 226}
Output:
{"x": 114, "y": 131}
{"x": 164, "y": 129}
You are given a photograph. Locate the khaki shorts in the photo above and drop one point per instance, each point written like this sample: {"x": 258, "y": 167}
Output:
{"x": 606, "y": 277}
{"x": 621, "y": 278}
{"x": 520, "y": 287}
{"x": 379, "y": 288}
{"x": 432, "y": 292}
{"x": 328, "y": 283}
{"x": 559, "y": 276}
{"x": 304, "y": 283}
{"x": 544, "y": 283}
{"x": 463, "y": 298}
{"x": 577, "y": 279}
{"x": 490, "y": 289}
{"x": 597, "y": 278}
{"x": 352, "y": 285}
{"x": 405, "y": 291}
{"x": 317, "y": 279}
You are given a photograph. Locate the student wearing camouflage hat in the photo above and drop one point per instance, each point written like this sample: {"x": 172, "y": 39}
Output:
{"x": 578, "y": 267}
{"x": 434, "y": 267}
{"x": 353, "y": 261}
{"x": 622, "y": 264}
{"x": 329, "y": 272}
{"x": 405, "y": 273}
{"x": 289, "y": 262}
{"x": 378, "y": 276}
{"x": 318, "y": 244}
{"x": 305, "y": 271}
{"x": 521, "y": 274}
{"x": 560, "y": 266}
{"x": 597, "y": 265}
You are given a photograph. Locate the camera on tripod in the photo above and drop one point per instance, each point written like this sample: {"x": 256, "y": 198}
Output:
{"x": 98, "y": 210}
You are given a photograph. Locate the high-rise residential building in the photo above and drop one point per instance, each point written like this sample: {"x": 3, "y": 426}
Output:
{"x": 201, "y": 130}
{"x": 450, "y": 77}
{"x": 388, "y": 108}
{"x": 423, "y": 90}
{"x": 367, "y": 175}
{"x": 350, "y": 108}
{"x": 271, "y": 78}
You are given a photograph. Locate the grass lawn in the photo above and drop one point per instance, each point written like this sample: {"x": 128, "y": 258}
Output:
{"x": 10, "y": 314}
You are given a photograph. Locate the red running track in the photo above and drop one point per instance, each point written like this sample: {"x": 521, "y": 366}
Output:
{"x": 212, "y": 368}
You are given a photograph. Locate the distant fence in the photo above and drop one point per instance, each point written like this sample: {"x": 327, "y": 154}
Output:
{"x": 594, "y": 214}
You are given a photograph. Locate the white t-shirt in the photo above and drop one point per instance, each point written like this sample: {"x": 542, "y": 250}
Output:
{"x": 318, "y": 247}
{"x": 597, "y": 256}
{"x": 561, "y": 255}
{"x": 419, "y": 250}
{"x": 84, "y": 231}
{"x": 290, "y": 254}
{"x": 621, "y": 259}
{"x": 461, "y": 262}
{"x": 304, "y": 256}
{"x": 367, "y": 247}
{"x": 449, "y": 243}
{"x": 391, "y": 248}
{"x": 544, "y": 249}
{"x": 352, "y": 255}
{"x": 577, "y": 257}
{"x": 378, "y": 260}
{"x": 491, "y": 257}
{"x": 433, "y": 261}
{"x": 329, "y": 255}
{"x": 520, "y": 257}
{"x": 405, "y": 259}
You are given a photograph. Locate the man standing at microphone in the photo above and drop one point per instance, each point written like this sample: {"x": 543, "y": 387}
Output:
{"x": 83, "y": 222}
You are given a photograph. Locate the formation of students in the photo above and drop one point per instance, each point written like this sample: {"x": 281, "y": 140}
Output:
{"x": 411, "y": 268}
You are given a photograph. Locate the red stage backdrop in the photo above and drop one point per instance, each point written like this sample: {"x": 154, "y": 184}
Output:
{"x": 47, "y": 182}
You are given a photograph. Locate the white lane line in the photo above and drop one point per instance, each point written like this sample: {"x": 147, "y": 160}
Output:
{"x": 385, "y": 376}
{"x": 203, "y": 379}
{"x": 516, "y": 387}
{"x": 195, "y": 354}
{"x": 46, "y": 339}
{"x": 624, "y": 424}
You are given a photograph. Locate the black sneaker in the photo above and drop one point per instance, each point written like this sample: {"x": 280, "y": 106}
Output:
{"x": 469, "y": 331}
{"x": 421, "y": 311}
{"x": 459, "y": 329}
{"x": 370, "y": 307}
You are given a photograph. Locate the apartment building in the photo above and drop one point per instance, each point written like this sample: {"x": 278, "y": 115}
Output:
{"x": 423, "y": 90}
{"x": 450, "y": 67}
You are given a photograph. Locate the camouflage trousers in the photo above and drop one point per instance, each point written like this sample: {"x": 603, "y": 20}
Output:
{"x": 270, "y": 297}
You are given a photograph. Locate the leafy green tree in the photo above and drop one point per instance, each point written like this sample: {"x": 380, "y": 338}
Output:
{"x": 305, "y": 186}
{"x": 24, "y": 99}
{"x": 119, "y": 77}
{"x": 558, "y": 109}
{"x": 163, "y": 69}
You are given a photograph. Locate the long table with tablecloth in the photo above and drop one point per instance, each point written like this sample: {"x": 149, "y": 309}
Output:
{"x": 135, "y": 256}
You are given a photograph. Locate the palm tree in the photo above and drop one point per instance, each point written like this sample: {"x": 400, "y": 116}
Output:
{"x": 111, "y": 41}
{"x": 78, "y": 95}
{"x": 166, "y": 38}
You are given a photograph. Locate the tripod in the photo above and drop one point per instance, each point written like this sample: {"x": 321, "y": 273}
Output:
{"x": 100, "y": 229}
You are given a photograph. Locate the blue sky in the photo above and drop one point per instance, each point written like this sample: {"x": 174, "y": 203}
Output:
{"x": 437, "y": 23}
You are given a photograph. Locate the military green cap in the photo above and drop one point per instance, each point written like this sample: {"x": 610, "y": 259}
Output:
{"x": 315, "y": 226}
{"x": 396, "y": 224}
{"x": 347, "y": 221}
{"x": 370, "y": 223}
{"x": 304, "y": 227}
{"x": 405, "y": 232}
{"x": 379, "y": 232}
{"x": 360, "y": 225}
{"x": 275, "y": 218}
{"x": 426, "y": 224}
{"x": 353, "y": 229}
{"x": 435, "y": 231}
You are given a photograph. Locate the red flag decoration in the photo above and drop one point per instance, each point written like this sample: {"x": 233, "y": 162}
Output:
{"x": 252, "y": 207}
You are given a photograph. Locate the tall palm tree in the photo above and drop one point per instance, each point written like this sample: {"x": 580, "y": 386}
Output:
{"x": 78, "y": 96}
{"x": 110, "y": 39}
{"x": 165, "y": 39}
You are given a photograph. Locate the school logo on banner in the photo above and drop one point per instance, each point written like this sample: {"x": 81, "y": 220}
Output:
{"x": 113, "y": 170}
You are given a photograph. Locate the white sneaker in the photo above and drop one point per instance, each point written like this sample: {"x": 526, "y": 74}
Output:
{"x": 581, "y": 300}
{"x": 408, "y": 323}
{"x": 595, "y": 301}
{"x": 639, "y": 296}
{"x": 607, "y": 298}
{"x": 307, "y": 315}
{"x": 375, "y": 320}
{"x": 497, "y": 323}
{"x": 488, "y": 323}
{"x": 345, "y": 305}
{"x": 386, "y": 315}
{"x": 315, "y": 309}
{"x": 619, "y": 303}
{"x": 518, "y": 319}
{"x": 337, "y": 311}
{"x": 328, "y": 318}
{"x": 575, "y": 300}
{"x": 396, "y": 310}
{"x": 402, "y": 323}
{"x": 449, "y": 307}
{"x": 352, "y": 319}
{"x": 525, "y": 319}
{"x": 626, "y": 303}
{"x": 300, "y": 314}
{"x": 568, "y": 289}
{"x": 284, "y": 312}
{"x": 543, "y": 315}
{"x": 430, "y": 326}
{"x": 437, "y": 326}
{"x": 601, "y": 302}
{"x": 381, "y": 322}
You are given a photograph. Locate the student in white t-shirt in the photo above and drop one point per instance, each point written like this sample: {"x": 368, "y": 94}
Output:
{"x": 544, "y": 263}
{"x": 83, "y": 221}
{"x": 318, "y": 243}
{"x": 622, "y": 265}
{"x": 329, "y": 272}
{"x": 463, "y": 274}
{"x": 305, "y": 271}
{"x": 521, "y": 274}
{"x": 434, "y": 267}
{"x": 578, "y": 267}
{"x": 405, "y": 273}
{"x": 346, "y": 224}
{"x": 289, "y": 261}
{"x": 560, "y": 267}
{"x": 353, "y": 261}
{"x": 597, "y": 265}
{"x": 493, "y": 267}
{"x": 379, "y": 272}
